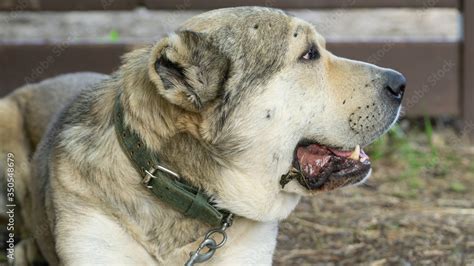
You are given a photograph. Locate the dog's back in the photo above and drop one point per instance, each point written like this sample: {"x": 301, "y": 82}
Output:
{"x": 24, "y": 116}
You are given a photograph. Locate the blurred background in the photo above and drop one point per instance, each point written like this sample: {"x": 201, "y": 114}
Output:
{"x": 418, "y": 206}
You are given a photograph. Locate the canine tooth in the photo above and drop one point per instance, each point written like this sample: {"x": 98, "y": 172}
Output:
{"x": 363, "y": 159}
{"x": 355, "y": 154}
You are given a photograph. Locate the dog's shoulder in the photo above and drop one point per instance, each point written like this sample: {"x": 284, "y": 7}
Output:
{"x": 76, "y": 93}
{"x": 39, "y": 102}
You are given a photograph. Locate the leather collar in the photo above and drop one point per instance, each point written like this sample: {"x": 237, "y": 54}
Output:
{"x": 162, "y": 182}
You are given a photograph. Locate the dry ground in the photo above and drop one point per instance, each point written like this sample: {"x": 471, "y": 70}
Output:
{"x": 417, "y": 209}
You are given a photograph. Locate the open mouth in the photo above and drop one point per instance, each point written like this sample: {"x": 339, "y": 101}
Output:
{"x": 321, "y": 168}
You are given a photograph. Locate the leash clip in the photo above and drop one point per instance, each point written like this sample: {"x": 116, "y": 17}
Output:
{"x": 209, "y": 242}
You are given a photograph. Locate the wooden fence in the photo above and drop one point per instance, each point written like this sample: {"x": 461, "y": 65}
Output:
{"x": 452, "y": 62}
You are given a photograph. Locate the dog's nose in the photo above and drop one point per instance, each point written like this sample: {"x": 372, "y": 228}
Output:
{"x": 395, "y": 84}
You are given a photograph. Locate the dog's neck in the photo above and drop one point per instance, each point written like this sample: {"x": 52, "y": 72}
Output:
{"x": 165, "y": 128}
{"x": 167, "y": 185}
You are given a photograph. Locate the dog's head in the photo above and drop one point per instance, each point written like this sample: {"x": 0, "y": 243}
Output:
{"x": 271, "y": 100}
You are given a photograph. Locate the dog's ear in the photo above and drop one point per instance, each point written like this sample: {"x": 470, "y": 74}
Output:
{"x": 188, "y": 69}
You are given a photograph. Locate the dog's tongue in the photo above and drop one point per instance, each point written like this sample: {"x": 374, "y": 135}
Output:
{"x": 312, "y": 159}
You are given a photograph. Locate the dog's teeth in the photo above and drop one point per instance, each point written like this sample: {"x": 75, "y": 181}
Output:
{"x": 355, "y": 154}
{"x": 363, "y": 159}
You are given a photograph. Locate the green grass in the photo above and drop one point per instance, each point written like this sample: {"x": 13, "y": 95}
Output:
{"x": 378, "y": 148}
{"x": 428, "y": 130}
{"x": 409, "y": 194}
{"x": 416, "y": 162}
{"x": 386, "y": 145}
{"x": 471, "y": 168}
{"x": 457, "y": 186}
{"x": 415, "y": 183}
{"x": 114, "y": 36}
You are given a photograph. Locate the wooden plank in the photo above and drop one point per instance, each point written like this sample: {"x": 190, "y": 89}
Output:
{"x": 431, "y": 68}
{"x": 27, "y": 63}
{"x": 468, "y": 69}
{"x": 66, "y": 5}
{"x": 297, "y": 4}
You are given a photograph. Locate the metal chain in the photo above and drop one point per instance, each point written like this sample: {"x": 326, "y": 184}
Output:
{"x": 210, "y": 243}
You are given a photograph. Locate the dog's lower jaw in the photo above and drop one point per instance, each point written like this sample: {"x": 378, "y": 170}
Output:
{"x": 295, "y": 187}
{"x": 366, "y": 177}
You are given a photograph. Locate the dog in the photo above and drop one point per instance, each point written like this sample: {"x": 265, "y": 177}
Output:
{"x": 244, "y": 109}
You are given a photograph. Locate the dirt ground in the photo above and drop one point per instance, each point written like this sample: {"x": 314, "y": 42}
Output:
{"x": 416, "y": 209}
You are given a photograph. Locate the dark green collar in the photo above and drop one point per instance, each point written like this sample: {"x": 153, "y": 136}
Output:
{"x": 165, "y": 184}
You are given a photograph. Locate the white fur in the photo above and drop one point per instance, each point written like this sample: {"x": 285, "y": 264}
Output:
{"x": 98, "y": 240}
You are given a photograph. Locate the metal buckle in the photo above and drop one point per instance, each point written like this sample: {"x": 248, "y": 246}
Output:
{"x": 150, "y": 174}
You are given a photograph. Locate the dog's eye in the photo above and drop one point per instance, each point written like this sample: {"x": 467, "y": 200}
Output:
{"x": 311, "y": 54}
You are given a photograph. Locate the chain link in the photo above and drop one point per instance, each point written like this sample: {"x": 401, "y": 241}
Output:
{"x": 209, "y": 242}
